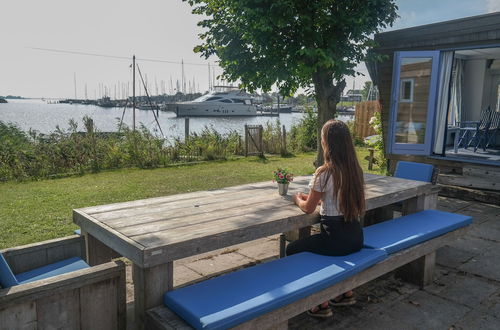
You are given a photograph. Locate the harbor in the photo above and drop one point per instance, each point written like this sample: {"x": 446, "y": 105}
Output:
{"x": 38, "y": 115}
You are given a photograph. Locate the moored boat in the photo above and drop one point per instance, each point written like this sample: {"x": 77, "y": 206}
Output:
{"x": 223, "y": 101}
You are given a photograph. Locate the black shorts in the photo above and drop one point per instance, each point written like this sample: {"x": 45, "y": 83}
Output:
{"x": 337, "y": 238}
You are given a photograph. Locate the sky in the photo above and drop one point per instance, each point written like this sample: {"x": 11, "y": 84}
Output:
{"x": 151, "y": 29}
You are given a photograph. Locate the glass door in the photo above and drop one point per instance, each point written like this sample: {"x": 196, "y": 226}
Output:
{"x": 413, "y": 102}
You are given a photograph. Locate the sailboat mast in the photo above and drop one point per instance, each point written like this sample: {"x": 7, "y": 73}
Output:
{"x": 133, "y": 93}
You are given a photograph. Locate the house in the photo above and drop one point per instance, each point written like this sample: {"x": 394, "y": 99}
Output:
{"x": 439, "y": 90}
{"x": 353, "y": 95}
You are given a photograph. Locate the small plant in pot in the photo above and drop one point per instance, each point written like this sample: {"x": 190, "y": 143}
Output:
{"x": 283, "y": 177}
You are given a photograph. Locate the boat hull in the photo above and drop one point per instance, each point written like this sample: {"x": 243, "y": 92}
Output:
{"x": 212, "y": 110}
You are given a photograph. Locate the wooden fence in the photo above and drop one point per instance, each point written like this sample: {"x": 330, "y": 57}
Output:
{"x": 364, "y": 112}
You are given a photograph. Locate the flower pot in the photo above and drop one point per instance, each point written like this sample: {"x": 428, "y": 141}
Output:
{"x": 283, "y": 188}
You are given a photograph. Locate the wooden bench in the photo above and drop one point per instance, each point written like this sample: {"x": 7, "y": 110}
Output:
{"x": 411, "y": 241}
{"x": 88, "y": 298}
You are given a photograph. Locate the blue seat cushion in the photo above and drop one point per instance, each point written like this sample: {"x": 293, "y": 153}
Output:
{"x": 7, "y": 279}
{"x": 231, "y": 299}
{"x": 401, "y": 233}
{"x": 57, "y": 268}
{"x": 414, "y": 171}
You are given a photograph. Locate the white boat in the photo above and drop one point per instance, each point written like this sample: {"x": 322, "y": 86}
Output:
{"x": 223, "y": 101}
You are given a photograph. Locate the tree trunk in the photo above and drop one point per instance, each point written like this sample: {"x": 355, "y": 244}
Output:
{"x": 327, "y": 97}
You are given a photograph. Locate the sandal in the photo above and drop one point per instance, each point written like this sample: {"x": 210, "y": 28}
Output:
{"x": 343, "y": 300}
{"x": 321, "y": 312}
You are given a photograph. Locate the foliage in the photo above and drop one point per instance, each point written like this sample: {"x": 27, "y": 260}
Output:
{"x": 303, "y": 136}
{"x": 292, "y": 44}
{"x": 284, "y": 42}
{"x": 282, "y": 175}
{"x": 377, "y": 142}
{"x": 355, "y": 138}
{"x": 68, "y": 152}
{"x": 272, "y": 138}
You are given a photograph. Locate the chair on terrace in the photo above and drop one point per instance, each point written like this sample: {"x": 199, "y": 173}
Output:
{"x": 474, "y": 132}
{"x": 493, "y": 129}
{"x": 416, "y": 171}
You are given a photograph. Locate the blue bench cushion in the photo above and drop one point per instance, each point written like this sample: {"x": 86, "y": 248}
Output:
{"x": 233, "y": 298}
{"x": 401, "y": 233}
{"x": 58, "y": 268}
{"x": 414, "y": 171}
{"x": 7, "y": 279}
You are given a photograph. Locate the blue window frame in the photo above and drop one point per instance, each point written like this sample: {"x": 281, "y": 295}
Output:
{"x": 413, "y": 102}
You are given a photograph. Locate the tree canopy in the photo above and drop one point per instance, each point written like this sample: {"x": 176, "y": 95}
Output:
{"x": 292, "y": 43}
{"x": 284, "y": 42}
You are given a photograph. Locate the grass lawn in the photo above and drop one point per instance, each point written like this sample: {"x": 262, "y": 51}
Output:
{"x": 40, "y": 210}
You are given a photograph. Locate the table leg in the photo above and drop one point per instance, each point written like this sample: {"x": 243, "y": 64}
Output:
{"x": 420, "y": 271}
{"x": 149, "y": 286}
{"x": 97, "y": 252}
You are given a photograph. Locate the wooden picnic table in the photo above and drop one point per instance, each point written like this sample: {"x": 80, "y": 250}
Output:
{"x": 154, "y": 232}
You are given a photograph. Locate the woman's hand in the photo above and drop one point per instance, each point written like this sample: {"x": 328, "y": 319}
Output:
{"x": 307, "y": 202}
{"x": 299, "y": 197}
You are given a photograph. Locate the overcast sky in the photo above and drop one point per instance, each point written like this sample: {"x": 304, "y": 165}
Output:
{"x": 150, "y": 29}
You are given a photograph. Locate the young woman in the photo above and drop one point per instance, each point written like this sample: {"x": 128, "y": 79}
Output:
{"x": 338, "y": 186}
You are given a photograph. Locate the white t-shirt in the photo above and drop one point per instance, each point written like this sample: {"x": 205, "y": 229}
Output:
{"x": 324, "y": 184}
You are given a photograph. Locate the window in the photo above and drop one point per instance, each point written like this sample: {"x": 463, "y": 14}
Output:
{"x": 238, "y": 101}
{"x": 226, "y": 101}
{"x": 406, "y": 93}
{"x": 213, "y": 99}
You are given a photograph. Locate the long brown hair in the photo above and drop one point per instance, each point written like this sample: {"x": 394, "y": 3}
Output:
{"x": 342, "y": 166}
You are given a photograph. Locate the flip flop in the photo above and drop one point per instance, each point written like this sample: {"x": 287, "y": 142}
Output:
{"x": 344, "y": 301}
{"x": 322, "y": 312}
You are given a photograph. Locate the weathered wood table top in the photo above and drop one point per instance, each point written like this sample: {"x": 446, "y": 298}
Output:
{"x": 158, "y": 230}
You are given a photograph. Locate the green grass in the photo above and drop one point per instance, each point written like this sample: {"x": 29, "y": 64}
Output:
{"x": 40, "y": 210}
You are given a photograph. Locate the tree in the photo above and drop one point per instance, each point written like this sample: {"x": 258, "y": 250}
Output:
{"x": 292, "y": 44}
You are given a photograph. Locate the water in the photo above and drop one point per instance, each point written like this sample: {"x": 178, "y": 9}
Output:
{"x": 38, "y": 115}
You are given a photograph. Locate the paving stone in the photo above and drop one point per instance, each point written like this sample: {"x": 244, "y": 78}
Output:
{"x": 184, "y": 275}
{"x": 427, "y": 311}
{"x": 477, "y": 319}
{"x": 485, "y": 265}
{"x": 486, "y": 231}
{"x": 492, "y": 305}
{"x": 471, "y": 244}
{"x": 451, "y": 204}
{"x": 380, "y": 321}
{"x": 467, "y": 290}
{"x": 452, "y": 257}
{"x": 262, "y": 250}
{"x": 481, "y": 212}
{"x": 214, "y": 265}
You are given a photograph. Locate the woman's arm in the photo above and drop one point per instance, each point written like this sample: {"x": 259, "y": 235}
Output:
{"x": 308, "y": 203}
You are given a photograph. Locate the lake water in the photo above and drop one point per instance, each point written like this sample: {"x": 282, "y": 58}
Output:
{"x": 42, "y": 117}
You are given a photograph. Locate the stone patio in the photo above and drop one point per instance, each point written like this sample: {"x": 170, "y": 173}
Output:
{"x": 465, "y": 293}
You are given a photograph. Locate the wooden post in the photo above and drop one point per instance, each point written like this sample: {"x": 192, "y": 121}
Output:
{"x": 186, "y": 129}
{"x": 149, "y": 286}
{"x": 283, "y": 142}
{"x": 282, "y": 245}
{"x": 261, "y": 140}
{"x": 370, "y": 159}
{"x": 420, "y": 271}
{"x": 246, "y": 140}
